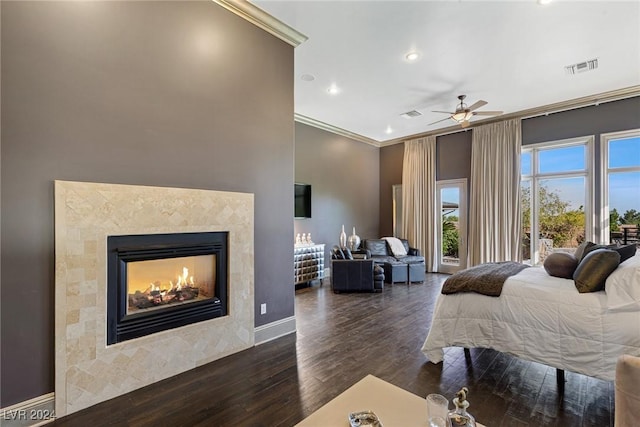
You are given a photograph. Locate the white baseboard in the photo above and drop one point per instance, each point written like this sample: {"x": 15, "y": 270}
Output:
{"x": 33, "y": 412}
{"x": 274, "y": 330}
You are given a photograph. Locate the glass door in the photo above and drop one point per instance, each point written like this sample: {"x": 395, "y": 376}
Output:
{"x": 452, "y": 225}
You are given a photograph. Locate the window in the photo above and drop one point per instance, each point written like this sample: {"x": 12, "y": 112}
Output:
{"x": 620, "y": 158}
{"x": 556, "y": 197}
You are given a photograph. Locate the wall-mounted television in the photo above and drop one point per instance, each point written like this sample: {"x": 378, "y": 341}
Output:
{"x": 302, "y": 200}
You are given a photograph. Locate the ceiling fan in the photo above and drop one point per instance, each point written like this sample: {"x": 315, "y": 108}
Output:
{"x": 464, "y": 113}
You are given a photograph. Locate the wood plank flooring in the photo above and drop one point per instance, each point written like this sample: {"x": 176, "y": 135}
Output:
{"x": 340, "y": 339}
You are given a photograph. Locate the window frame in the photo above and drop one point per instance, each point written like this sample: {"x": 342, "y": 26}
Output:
{"x": 588, "y": 142}
{"x": 605, "y": 170}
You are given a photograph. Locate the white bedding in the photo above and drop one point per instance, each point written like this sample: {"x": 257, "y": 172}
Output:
{"x": 542, "y": 319}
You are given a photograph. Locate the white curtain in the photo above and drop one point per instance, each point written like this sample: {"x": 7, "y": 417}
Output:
{"x": 494, "y": 213}
{"x": 419, "y": 197}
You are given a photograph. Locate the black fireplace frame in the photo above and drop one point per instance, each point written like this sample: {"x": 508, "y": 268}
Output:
{"x": 123, "y": 249}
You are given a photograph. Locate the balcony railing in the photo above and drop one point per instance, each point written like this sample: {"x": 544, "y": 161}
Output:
{"x": 626, "y": 236}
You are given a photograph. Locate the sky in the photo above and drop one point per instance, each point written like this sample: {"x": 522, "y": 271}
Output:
{"x": 624, "y": 186}
{"x": 451, "y": 195}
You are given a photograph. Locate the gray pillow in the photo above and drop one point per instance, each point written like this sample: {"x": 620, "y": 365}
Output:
{"x": 594, "y": 269}
{"x": 560, "y": 264}
{"x": 579, "y": 253}
{"x": 626, "y": 252}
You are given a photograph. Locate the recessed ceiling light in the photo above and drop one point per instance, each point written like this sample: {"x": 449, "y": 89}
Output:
{"x": 333, "y": 89}
{"x": 388, "y": 130}
{"x": 307, "y": 77}
{"x": 543, "y": 2}
{"x": 412, "y": 56}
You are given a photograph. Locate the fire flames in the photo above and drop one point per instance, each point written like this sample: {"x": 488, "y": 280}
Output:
{"x": 183, "y": 290}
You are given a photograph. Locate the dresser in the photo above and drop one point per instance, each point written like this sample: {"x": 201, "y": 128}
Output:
{"x": 308, "y": 263}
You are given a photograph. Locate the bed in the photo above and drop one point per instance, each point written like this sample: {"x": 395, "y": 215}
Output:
{"x": 545, "y": 319}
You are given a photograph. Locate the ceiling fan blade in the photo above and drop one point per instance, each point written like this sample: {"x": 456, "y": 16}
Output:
{"x": 465, "y": 124}
{"x": 487, "y": 113}
{"x": 445, "y": 112}
{"x": 438, "y": 121}
{"x": 477, "y": 105}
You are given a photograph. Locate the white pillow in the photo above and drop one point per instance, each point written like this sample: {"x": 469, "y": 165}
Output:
{"x": 623, "y": 286}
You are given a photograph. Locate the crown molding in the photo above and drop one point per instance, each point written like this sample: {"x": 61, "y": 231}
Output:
{"x": 262, "y": 19}
{"x": 333, "y": 129}
{"x": 572, "y": 104}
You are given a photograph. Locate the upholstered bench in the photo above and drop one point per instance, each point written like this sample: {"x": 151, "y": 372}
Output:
{"x": 416, "y": 272}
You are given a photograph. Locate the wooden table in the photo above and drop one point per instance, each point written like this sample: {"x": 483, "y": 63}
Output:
{"x": 393, "y": 406}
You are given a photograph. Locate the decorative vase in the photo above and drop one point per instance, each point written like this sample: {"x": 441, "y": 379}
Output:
{"x": 354, "y": 241}
{"x": 459, "y": 417}
{"x": 343, "y": 238}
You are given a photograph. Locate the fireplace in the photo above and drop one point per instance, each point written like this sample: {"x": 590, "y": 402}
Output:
{"x": 157, "y": 282}
{"x": 87, "y": 369}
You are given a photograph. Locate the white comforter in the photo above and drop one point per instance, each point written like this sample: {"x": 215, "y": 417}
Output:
{"x": 542, "y": 319}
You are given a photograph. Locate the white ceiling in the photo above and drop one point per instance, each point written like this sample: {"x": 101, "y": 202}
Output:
{"x": 510, "y": 53}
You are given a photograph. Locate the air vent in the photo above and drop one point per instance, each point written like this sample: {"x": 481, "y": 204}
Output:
{"x": 581, "y": 67}
{"x": 411, "y": 114}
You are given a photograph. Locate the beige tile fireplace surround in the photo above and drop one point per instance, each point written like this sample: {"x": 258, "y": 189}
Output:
{"x": 87, "y": 371}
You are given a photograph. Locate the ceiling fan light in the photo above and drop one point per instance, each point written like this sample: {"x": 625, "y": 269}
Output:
{"x": 459, "y": 116}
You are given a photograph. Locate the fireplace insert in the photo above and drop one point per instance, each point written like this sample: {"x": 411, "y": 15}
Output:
{"x": 157, "y": 282}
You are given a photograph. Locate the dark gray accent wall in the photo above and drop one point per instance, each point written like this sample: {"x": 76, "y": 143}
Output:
{"x": 180, "y": 94}
{"x": 453, "y": 156}
{"x": 345, "y": 182}
{"x": 391, "y": 158}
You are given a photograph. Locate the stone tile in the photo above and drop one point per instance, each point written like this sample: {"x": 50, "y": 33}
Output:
{"x": 86, "y": 213}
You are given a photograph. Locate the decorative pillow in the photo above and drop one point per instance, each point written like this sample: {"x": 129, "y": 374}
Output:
{"x": 626, "y": 252}
{"x": 337, "y": 253}
{"x": 623, "y": 286}
{"x": 594, "y": 269}
{"x": 595, "y": 246}
{"x": 347, "y": 253}
{"x": 579, "y": 253}
{"x": 561, "y": 264}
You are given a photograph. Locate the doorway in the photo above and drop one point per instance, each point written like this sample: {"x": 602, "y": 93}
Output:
{"x": 397, "y": 210}
{"x": 451, "y": 248}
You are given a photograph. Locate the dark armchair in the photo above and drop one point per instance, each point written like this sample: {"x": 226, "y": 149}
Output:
{"x": 354, "y": 275}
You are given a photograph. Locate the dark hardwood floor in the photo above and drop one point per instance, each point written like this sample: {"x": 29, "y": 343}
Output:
{"x": 340, "y": 339}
